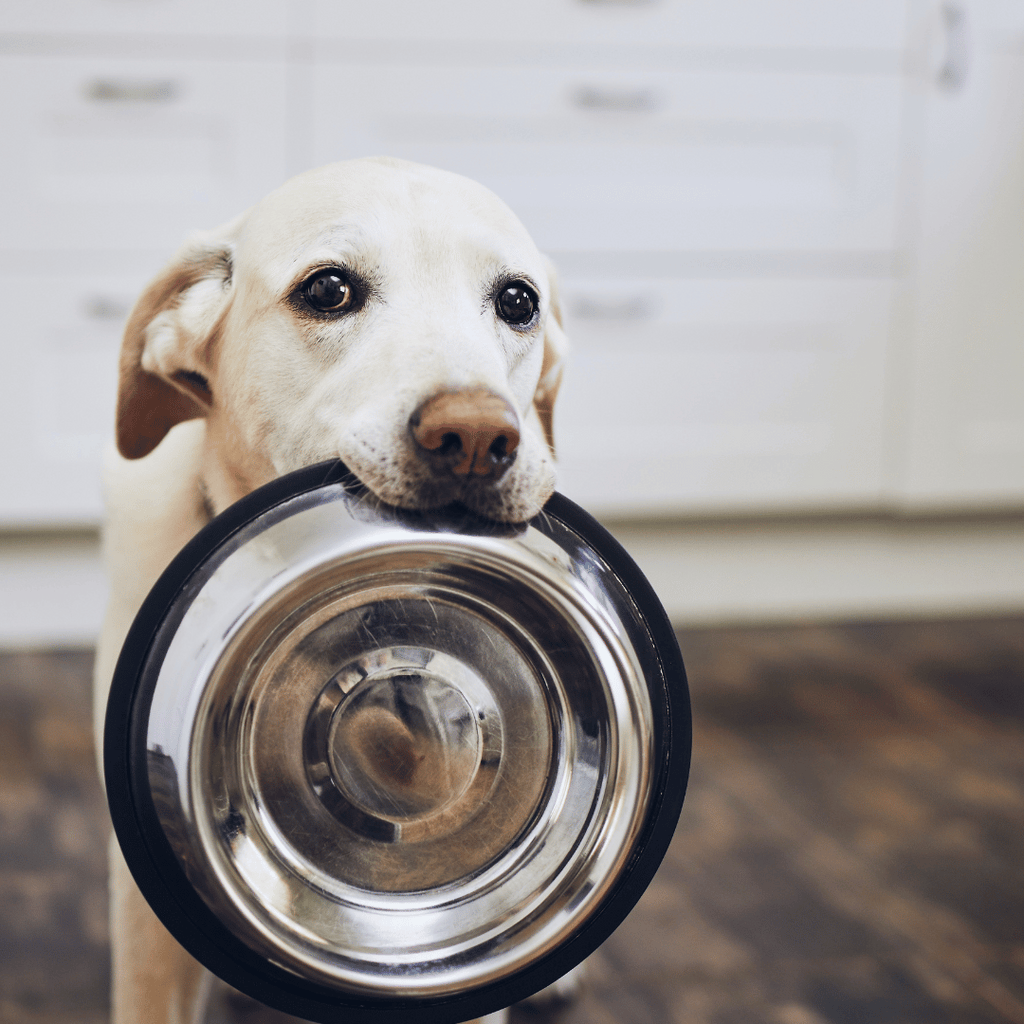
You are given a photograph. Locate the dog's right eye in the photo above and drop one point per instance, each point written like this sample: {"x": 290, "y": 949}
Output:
{"x": 329, "y": 292}
{"x": 516, "y": 303}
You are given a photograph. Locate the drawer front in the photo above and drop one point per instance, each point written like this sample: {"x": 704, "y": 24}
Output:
{"x": 133, "y": 17}
{"x": 833, "y": 24}
{"x": 60, "y": 342}
{"x": 711, "y": 395}
{"x": 596, "y": 160}
{"x": 126, "y": 154}
{"x": 964, "y": 405}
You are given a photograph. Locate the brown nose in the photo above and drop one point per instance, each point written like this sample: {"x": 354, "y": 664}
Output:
{"x": 473, "y": 431}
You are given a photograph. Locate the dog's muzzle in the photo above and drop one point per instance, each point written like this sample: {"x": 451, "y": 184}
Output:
{"x": 371, "y": 765}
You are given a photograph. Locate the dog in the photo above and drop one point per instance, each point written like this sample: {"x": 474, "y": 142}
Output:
{"x": 390, "y": 315}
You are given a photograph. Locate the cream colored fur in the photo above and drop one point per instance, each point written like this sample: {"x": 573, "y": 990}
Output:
{"x": 225, "y": 383}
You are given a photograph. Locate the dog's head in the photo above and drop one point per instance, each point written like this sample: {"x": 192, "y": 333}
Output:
{"x": 393, "y": 315}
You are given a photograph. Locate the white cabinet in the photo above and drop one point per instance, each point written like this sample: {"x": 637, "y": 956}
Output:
{"x": 627, "y": 158}
{"x": 711, "y": 395}
{"x": 793, "y": 264}
{"x": 102, "y": 19}
{"x": 117, "y": 153}
{"x": 111, "y": 161}
{"x": 965, "y": 372}
{"x": 61, "y": 335}
{"x": 531, "y": 25}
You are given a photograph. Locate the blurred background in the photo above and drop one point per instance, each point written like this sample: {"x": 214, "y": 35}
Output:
{"x": 790, "y": 236}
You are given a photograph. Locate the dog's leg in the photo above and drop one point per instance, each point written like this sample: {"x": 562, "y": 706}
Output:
{"x": 155, "y": 980}
{"x": 155, "y": 506}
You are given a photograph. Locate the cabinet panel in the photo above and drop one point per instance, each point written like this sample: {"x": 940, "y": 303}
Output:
{"x": 60, "y": 342}
{"x": 691, "y": 396}
{"x": 593, "y": 159}
{"x": 683, "y": 23}
{"x": 126, "y": 17}
{"x": 965, "y": 424}
{"x": 122, "y": 154}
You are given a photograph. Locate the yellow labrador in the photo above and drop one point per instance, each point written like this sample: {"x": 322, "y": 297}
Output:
{"x": 393, "y": 315}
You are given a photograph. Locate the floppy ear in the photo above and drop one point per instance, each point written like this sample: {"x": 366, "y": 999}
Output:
{"x": 556, "y": 349}
{"x": 163, "y": 371}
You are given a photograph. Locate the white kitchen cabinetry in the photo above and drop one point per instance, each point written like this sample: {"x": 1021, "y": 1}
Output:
{"x": 711, "y": 394}
{"x": 112, "y": 159}
{"x": 726, "y": 188}
{"x": 627, "y": 158}
{"x": 61, "y": 335}
{"x": 529, "y": 25}
{"x": 120, "y": 153}
{"x": 128, "y": 19}
{"x": 965, "y": 372}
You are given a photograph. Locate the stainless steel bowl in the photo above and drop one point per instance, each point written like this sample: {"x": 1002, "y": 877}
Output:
{"x": 378, "y": 765}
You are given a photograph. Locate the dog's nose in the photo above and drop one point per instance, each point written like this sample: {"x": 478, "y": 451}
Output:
{"x": 474, "y": 431}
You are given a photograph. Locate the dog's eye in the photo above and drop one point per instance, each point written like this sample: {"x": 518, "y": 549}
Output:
{"x": 516, "y": 303}
{"x": 328, "y": 291}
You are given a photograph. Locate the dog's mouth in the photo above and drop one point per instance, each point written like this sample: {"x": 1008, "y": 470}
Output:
{"x": 512, "y": 493}
{"x": 479, "y": 496}
{"x": 466, "y": 447}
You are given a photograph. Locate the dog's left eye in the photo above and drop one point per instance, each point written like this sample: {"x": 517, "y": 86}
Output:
{"x": 516, "y": 303}
{"x": 329, "y": 291}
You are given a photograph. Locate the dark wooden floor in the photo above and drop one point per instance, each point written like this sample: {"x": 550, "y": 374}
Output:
{"x": 851, "y": 850}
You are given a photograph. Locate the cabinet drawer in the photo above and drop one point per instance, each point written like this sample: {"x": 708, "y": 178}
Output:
{"x": 841, "y": 24}
{"x": 597, "y": 160}
{"x": 59, "y": 347}
{"x": 694, "y": 396}
{"x": 134, "y": 17}
{"x": 122, "y": 154}
{"x": 964, "y": 405}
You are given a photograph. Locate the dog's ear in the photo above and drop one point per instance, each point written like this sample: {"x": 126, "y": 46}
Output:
{"x": 556, "y": 349}
{"x": 164, "y": 367}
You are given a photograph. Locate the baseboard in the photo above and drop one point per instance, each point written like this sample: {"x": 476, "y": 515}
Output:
{"x": 828, "y": 568}
{"x": 758, "y": 570}
{"x": 52, "y": 589}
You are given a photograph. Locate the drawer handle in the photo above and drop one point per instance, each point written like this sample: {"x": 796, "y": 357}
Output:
{"x": 631, "y": 308}
{"x": 625, "y": 100}
{"x": 105, "y": 307}
{"x": 619, "y": 3}
{"x": 953, "y": 72}
{"x": 127, "y": 90}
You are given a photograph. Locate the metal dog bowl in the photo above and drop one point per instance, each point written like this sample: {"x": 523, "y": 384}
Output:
{"x": 378, "y": 765}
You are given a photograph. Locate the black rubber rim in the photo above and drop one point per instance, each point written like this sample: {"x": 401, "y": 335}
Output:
{"x": 182, "y": 911}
